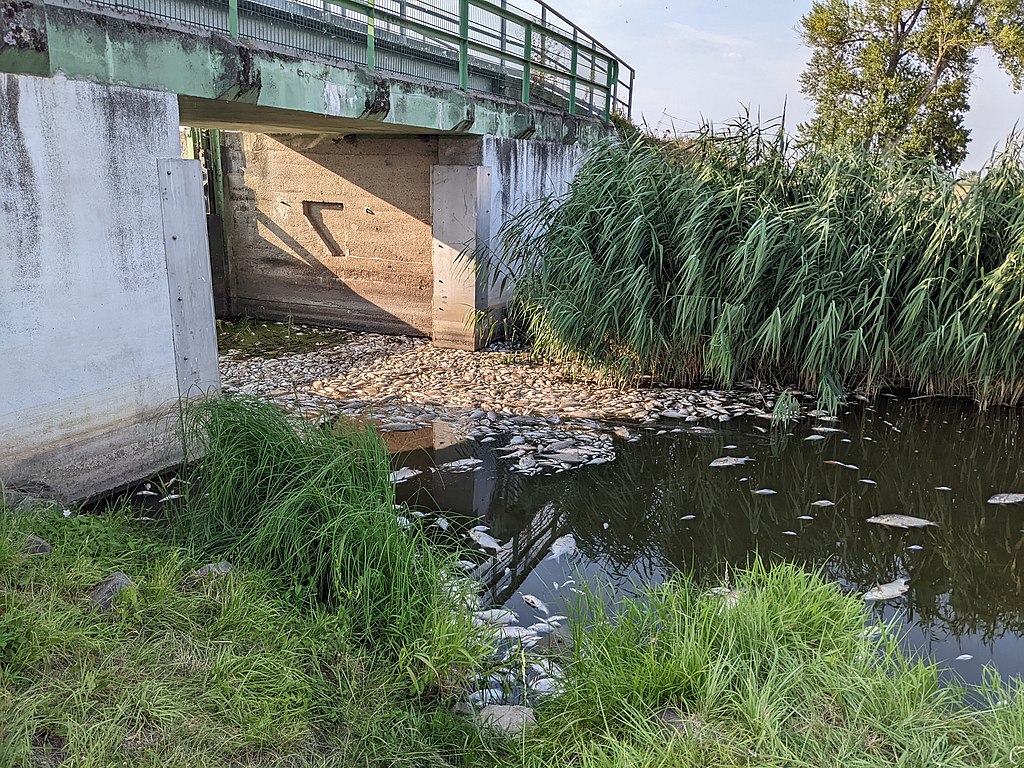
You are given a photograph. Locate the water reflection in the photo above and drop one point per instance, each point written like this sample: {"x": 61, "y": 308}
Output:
{"x": 660, "y": 509}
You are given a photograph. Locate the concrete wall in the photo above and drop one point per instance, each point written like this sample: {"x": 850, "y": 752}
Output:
{"x": 90, "y": 375}
{"x": 371, "y": 233}
{"x": 331, "y": 230}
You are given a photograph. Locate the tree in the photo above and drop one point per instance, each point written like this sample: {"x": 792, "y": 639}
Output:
{"x": 897, "y": 73}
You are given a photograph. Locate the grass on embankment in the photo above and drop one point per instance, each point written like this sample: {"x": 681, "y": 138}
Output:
{"x": 291, "y": 660}
{"x": 731, "y": 257}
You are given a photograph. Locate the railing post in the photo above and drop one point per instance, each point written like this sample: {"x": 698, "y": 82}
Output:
{"x": 527, "y": 56}
{"x": 371, "y": 49}
{"x": 233, "y": 18}
{"x": 572, "y": 71}
{"x": 463, "y": 44}
{"x": 613, "y": 78}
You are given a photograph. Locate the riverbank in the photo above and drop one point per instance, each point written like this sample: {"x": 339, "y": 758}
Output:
{"x": 227, "y": 669}
{"x": 184, "y": 660}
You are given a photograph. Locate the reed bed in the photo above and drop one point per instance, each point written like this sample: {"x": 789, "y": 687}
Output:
{"x": 731, "y": 256}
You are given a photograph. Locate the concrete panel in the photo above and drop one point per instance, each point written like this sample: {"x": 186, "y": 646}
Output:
{"x": 89, "y": 373}
{"x": 190, "y": 284}
{"x": 331, "y": 230}
{"x": 460, "y": 196}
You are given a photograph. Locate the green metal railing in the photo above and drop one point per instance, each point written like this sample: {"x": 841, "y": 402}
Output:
{"x": 532, "y": 53}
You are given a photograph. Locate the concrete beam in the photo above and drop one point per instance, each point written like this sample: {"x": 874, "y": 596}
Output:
{"x": 230, "y": 83}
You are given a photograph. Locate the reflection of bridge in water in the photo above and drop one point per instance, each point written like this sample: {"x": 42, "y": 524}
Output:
{"x": 470, "y": 495}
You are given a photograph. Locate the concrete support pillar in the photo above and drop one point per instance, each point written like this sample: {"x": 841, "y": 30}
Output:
{"x": 106, "y": 312}
{"x": 460, "y": 206}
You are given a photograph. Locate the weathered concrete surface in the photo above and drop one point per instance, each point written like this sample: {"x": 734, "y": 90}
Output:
{"x": 229, "y": 83}
{"x": 331, "y": 230}
{"x": 89, "y": 377}
{"x": 380, "y": 233}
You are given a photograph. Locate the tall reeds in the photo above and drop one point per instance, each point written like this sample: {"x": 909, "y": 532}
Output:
{"x": 730, "y": 256}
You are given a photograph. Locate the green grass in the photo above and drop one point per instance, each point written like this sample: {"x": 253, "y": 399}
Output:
{"x": 237, "y": 672}
{"x": 731, "y": 256}
{"x": 255, "y": 338}
{"x": 316, "y": 505}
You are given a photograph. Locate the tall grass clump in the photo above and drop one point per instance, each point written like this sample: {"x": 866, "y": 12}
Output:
{"x": 316, "y": 504}
{"x": 730, "y": 255}
{"x": 780, "y": 670}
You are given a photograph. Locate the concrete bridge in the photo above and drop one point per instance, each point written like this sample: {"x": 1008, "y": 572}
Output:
{"x": 348, "y": 152}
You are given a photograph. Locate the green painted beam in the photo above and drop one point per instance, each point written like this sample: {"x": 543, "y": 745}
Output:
{"x": 226, "y": 83}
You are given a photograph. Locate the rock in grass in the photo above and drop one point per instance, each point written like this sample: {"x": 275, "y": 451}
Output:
{"x": 206, "y": 572}
{"x": 103, "y": 595}
{"x": 35, "y": 546}
{"x": 676, "y": 722}
{"x": 508, "y": 720}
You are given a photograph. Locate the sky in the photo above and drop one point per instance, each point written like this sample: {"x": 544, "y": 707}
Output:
{"x": 708, "y": 59}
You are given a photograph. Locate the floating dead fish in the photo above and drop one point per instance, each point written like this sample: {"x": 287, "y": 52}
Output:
{"x": 500, "y": 616}
{"x": 170, "y": 497}
{"x": 461, "y": 465}
{"x": 541, "y": 628}
{"x": 442, "y": 523}
{"x": 1007, "y": 498}
{"x": 688, "y": 517}
{"x": 901, "y": 521}
{"x": 485, "y": 540}
{"x": 943, "y": 488}
{"x": 466, "y": 565}
{"x": 730, "y": 447}
{"x": 563, "y": 545}
{"x": 805, "y": 518}
{"x": 535, "y": 602}
{"x": 814, "y": 437}
{"x": 866, "y": 481}
{"x": 915, "y": 547}
{"x": 762, "y": 430}
{"x": 765, "y": 492}
{"x": 403, "y": 474}
{"x": 555, "y": 621}
{"x": 525, "y": 636}
{"x": 964, "y": 657}
{"x": 828, "y": 430}
{"x": 789, "y": 533}
{"x": 823, "y": 503}
{"x": 887, "y": 591}
{"x": 545, "y": 686}
{"x": 488, "y": 696}
{"x": 730, "y": 461}
{"x": 147, "y": 493}
{"x": 403, "y": 522}
{"x": 605, "y": 526}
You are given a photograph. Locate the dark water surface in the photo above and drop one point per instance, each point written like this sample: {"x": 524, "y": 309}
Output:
{"x": 628, "y": 516}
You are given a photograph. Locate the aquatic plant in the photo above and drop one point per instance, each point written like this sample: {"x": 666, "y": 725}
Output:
{"x": 732, "y": 256}
{"x": 316, "y": 505}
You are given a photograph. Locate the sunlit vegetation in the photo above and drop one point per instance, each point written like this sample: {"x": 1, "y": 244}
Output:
{"x": 732, "y": 256}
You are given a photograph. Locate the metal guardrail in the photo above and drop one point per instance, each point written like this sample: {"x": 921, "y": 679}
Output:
{"x": 534, "y": 55}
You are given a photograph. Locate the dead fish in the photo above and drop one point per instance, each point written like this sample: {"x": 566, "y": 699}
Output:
{"x": 887, "y": 591}
{"x": 501, "y": 616}
{"x": 541, "y": 628}
{"x": 147, "y": 493}
{"x": 730, "y": 461}
{"x": 964, "y": 657}
{"x": 765, "y": 492}
{"x": 403, "y": 522}
{"x": 789, "y": 533}
{"x": 522, "y": 634}
{"x": 535, "y": 602}
{"x": 730, "y": 447}
{"x": 545, "y": 685}
{"x": 805, "y": 517}
{"x": 943, "y": 488}
{"x": 563, "y": 545}
{"x": 488, "y": 696}
{"x": 901, "y": 521}
{"x": 828, "y": 430}
{"x": 1007, "y": 498}
{"x": 688, "y": 517}
{"x": 814, "y": 437}
{"x": 403, "y": 474}
{"x": 554, "y": 621}
{"x": 605, "y": 526}
{"x": 462, "y": 464}
{"x": 170, "y": 497}
{"x": 866, "y": 481}
{"x": 915, "y": 547}
{"x": 442, "y": 523}
{"x": 485, "y": 540}
{"x": 823, "y": 503}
